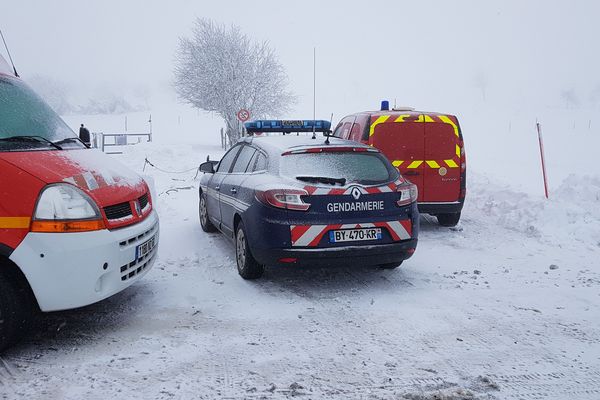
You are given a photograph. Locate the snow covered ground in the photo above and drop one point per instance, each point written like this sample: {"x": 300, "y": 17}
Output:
{"x": 504, "y": 306}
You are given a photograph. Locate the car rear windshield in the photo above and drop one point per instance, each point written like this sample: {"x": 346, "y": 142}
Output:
{"x": 24, "y": 115}
{"x": 367, "y": 168}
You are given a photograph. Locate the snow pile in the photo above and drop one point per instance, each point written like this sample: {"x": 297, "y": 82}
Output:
{"x": 571, "y": 213}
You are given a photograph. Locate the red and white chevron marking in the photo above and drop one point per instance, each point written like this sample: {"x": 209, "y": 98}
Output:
{"x": 311, "y": 235}
{"x": 321, "y": 191}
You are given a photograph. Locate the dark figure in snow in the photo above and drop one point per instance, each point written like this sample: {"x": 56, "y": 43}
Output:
{"x": 84, "y": 135}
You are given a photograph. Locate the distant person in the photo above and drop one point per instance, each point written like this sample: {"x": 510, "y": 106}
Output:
{"x": 84, "y": 135}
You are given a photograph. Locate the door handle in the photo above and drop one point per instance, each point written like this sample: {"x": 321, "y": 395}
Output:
{"x": 217, "y": 187}
{"x": 233, "y": 190}
{"x": 411, "y": 173}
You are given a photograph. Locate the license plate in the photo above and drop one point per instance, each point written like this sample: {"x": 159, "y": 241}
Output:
{"x": 143, "y": 249}
{"x": 355, "y": 235}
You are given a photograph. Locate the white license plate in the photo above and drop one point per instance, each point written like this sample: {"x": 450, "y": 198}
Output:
{"x": 143, "y": 249}
{"x": 355, "y": 235}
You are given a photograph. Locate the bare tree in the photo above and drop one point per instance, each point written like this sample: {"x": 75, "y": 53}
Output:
{"x": 222, "y": 70}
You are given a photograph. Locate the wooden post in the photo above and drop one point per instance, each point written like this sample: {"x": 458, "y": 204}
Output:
{"x": 539, "y": 131}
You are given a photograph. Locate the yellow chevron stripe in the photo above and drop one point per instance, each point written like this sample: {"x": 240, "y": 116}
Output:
{"x": 415, "y": 164}
{"x": 458, "y": 151}
{"x": 445, "y": 119}
{"x": 14, "y": 222}
{"x": 401, "y": 118}
{"x": 433, "y": 164}
{"x": 379, "y": 120}
{"x": 397, "y": 163}
{"x": 451, "y": 163}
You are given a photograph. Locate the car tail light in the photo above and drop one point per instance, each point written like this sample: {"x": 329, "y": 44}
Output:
{"x": 408, "y": 194}
{"x": 289, "y": 199}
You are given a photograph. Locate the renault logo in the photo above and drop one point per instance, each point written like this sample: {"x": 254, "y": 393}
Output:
{"x": 138, "y": 208}
{"x": 355, "y": 192}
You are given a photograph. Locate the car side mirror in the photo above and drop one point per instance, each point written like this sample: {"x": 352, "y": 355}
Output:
{"x": 208, "y": 167}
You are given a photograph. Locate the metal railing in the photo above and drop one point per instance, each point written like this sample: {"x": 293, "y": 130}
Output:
{"x": 118, "y": 139}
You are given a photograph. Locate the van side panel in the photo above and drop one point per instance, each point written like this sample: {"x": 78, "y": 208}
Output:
{"x": 442, "y": 163}
{"x": 18, "y": 194}
{"x": 403, "y": 144}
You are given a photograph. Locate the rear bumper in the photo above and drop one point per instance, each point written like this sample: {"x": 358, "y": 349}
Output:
{"x": 70, "y": 270}
{"x": 435, "y": 208}
{"x": 346, "y": 255}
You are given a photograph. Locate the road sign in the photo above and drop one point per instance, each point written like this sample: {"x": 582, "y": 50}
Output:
{"x": 243, "y": 115}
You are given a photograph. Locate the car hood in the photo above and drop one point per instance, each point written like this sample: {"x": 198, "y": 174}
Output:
{"x": 103, "y": 178}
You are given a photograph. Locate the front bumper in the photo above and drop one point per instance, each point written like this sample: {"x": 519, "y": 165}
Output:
{"x": 70, "y": 270}
{"x": 343, "y": 255}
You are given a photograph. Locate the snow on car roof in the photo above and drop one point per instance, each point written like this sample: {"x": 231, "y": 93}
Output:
{"x": 281, "y": 143}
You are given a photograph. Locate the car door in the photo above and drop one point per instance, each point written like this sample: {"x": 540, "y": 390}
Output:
{"x": 442, "y": 156}
{"x": 214, "y": 185}
{"x": 231, "y": 201}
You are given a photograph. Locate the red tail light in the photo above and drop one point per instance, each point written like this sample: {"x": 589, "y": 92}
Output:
{"x": 408, "y": 194}
{"x": 289, "y": 199}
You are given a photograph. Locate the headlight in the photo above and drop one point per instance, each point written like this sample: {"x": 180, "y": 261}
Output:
{"x": 65, "y": 208}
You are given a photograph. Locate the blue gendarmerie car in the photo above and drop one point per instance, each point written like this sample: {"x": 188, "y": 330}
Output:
{"x": 301, "y": 199}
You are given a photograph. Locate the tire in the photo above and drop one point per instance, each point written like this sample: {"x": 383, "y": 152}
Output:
{"x": 205, "y": 223}
{"x": 248, "y": 267}
{"x": 390, "y": 265}
{"x": 15, "y": 313}
{"x": 448, "y": 219}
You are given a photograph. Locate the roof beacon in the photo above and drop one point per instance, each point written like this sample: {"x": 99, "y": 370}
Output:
{"x": 385, "y": 105}
{"x": 288, "y": 126}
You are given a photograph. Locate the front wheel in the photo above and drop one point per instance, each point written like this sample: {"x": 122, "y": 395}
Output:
{"x": 14, "y": 313}
{"x": 248, "y": 267}
{"x": 448, "y": 219}
{"x": 205, "y": 223}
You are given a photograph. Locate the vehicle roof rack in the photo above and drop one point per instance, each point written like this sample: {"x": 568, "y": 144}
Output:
{"x": 288, "y": 126}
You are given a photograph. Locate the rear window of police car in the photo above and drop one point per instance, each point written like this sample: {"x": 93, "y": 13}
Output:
{"x": 364, "y": 168}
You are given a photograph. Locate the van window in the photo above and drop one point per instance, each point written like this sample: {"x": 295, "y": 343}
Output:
{"x": 24, "y": 113}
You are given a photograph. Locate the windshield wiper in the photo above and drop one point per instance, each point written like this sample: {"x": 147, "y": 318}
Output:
{"x": 32, "y": 138}
{"x": 70, "y": 140}
{"x": 322, "y": 179}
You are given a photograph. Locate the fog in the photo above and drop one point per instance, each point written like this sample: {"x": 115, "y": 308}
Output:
{"x": 510, "y": 62}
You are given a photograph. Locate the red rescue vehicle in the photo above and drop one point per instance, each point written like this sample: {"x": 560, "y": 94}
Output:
{"x": 426, "y": 147}
{"x": 75, "y": 225}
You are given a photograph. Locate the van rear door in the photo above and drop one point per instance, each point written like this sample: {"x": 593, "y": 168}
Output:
{"x": 441, "y": 173}
{"x": 402, "y": 140}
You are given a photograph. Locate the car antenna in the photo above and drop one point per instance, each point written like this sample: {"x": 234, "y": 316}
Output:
{"x": 9, "y": 56}
{"x": 314, "y": 136}
{"x": 327, "y": 133}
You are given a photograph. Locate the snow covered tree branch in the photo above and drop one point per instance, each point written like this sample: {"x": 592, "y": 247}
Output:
{"x": 222, "y": 70}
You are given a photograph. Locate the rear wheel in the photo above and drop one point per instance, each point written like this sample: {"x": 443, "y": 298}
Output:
{"x": 15, "y": 313}
{"x": 248, "y": 267}
{"x": 391, "y": 265}
{"x": 448, "y": 219}
{"x": 207, "y": 226}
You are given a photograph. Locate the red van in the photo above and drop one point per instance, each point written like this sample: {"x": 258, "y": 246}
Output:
{"x": 75, "y": 225}
{"x": 426, "y": 147}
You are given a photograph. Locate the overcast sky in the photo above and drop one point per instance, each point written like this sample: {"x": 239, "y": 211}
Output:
{"x": 430, "y": 54}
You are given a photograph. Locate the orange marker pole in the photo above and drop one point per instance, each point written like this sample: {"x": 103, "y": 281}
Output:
{"x": 539, "y": 131}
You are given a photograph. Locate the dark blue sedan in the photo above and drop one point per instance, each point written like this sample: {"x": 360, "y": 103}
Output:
{"x": 295, "y": 200}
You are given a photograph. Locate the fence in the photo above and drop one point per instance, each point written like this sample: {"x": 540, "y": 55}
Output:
{"x": 117, "y": 139}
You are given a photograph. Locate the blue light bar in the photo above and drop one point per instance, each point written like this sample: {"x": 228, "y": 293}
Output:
{"x": 288, "y": 126}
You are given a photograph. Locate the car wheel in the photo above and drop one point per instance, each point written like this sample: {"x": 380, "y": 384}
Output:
{"x": 247, "y": 265}
{"x": 448, "y": 219}
{"x": 207, "y": 226}
{"x": 391, "y": 265}
{"x": 15, "y": 313}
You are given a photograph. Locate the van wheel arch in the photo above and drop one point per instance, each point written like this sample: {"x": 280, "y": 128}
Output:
{"x": 11, "y": 272}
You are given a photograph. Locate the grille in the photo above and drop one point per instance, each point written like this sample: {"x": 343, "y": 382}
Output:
{"x": 143, "y": 201}
{"x": 121, "y": 210}
{"x": 136, "y": 267}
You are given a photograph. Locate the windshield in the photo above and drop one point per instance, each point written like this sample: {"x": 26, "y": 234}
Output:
{"x": 364, "y": 168}
{"x": 23, "y": 115}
